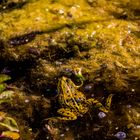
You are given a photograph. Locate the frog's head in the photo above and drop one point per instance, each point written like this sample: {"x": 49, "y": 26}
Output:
{"x": 64, "y": 81}
{"x": 65, "y": 84}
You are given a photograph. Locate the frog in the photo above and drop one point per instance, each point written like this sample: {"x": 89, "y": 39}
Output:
{"x": 74, "y": 103}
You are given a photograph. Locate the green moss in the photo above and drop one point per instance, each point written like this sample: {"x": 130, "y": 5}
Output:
{"x": 57, "y": 36}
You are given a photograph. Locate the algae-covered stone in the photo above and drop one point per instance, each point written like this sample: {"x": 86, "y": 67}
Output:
{"x": 99, "y": 37}
{"x": 8, "y": 5}
{"x": 74, "y": 34}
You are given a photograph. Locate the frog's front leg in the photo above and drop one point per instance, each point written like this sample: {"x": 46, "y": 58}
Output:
{"x": 67, "y": 114}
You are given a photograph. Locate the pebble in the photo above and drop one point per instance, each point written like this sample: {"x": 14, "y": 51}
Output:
{"x": 27, "y": 100}
{"x": 5, "y": 71}
{"x": 88, "y": 88}
{"x": 120, "y": 135}
{"x": 101, "y": 115}
{"x": 62, "y": 135}
{"x": 67, "y": 129}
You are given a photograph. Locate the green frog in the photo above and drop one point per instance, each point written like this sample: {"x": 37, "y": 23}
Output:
{"x": 74, "y": 102}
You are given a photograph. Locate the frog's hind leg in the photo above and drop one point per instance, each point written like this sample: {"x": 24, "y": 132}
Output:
{"x": 96, "y": 104}
{"x": 99, "y": 105}
{"x": 67, "y": 114}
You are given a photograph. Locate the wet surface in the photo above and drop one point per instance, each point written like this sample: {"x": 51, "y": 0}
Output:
{"x": 41, "y": 41}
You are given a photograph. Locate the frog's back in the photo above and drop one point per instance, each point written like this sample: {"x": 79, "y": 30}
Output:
{"x": 69, "y": 96}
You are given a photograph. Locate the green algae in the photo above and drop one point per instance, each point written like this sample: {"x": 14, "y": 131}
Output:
{"x": 4, "y": 78}
{"x": 50, "y": 38}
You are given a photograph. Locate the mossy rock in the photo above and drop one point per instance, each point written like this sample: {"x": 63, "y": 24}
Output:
{"x": 42, "y": 40}
{"x": 72, "y": 35}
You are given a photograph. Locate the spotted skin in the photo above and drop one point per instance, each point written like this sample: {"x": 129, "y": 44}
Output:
{"x": 74, "y": 102}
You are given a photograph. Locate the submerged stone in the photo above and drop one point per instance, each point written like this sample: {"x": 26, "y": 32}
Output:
{"x": 50, "y": 38}
{"x": 101, "y": 115}
{"x": 120, "y": 135}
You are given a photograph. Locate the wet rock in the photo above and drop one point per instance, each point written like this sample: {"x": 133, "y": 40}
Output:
{"x": 42, "y": 40}
{"x": 101, "y": 115}
{"x": 24, "y": 39}
{"x": 120, "y": 135}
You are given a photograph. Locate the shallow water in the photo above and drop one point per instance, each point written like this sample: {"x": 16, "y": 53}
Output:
{"x": 96, "y": 42}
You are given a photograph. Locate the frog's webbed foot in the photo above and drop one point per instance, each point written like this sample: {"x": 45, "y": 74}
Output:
{"x": 99, "y": 105}
{"x": 66, "y": 114}
{"x": 108, "y": 102}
